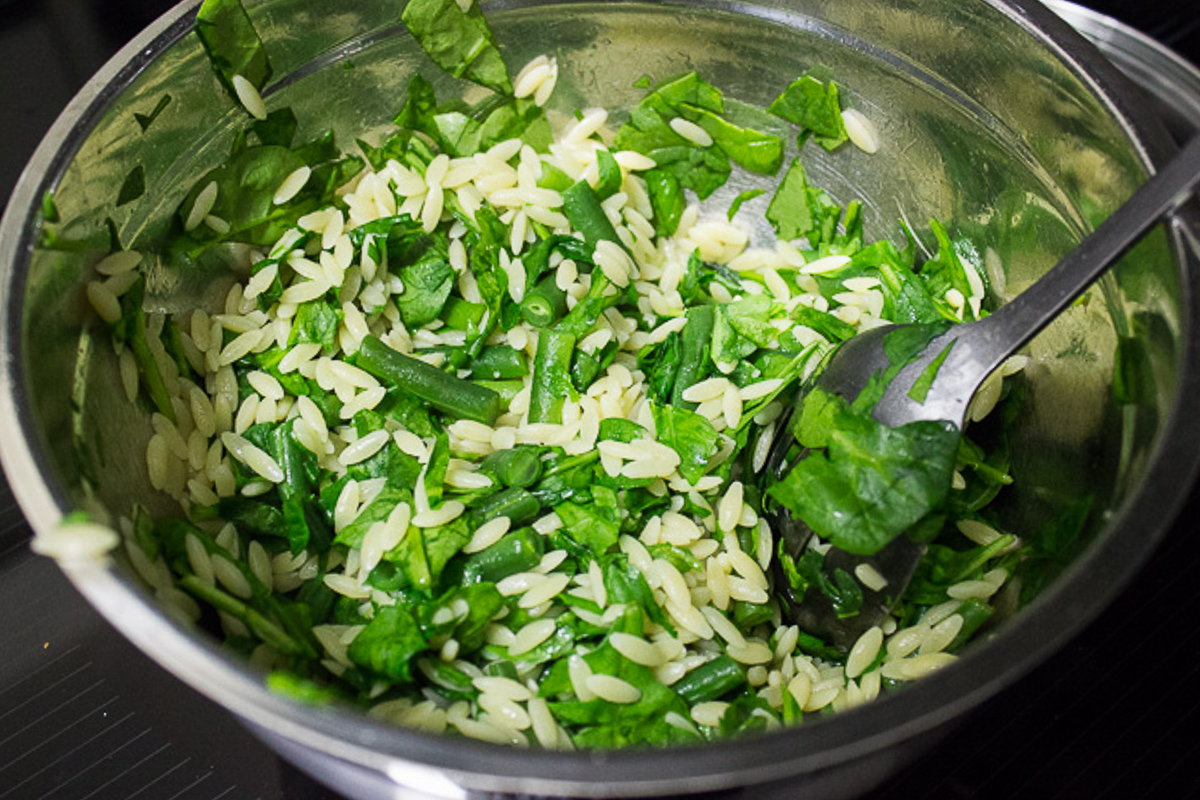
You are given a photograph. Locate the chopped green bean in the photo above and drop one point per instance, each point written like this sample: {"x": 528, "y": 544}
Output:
{"x": 545, "y": 303}
{"x": 551, "y": 376}
{"x": 514, "y": 502}
{"x": 499, "y": 363}
{"x": 711, "y": 680}
{"x": 445, "y": 392}
{"x": 519, "y": 551}
{"x": 518, "y": 466}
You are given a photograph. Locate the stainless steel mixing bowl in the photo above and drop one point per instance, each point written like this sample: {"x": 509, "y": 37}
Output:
{"x": 994, "y": 117}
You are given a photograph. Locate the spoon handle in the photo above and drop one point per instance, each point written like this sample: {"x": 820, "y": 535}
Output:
{"x": 1014, "y": 324}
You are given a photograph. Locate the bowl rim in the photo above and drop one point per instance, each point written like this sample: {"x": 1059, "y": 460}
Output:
{"x": 406, "y": 754}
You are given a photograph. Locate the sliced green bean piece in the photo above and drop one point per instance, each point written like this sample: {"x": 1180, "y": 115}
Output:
{"x": 445, "y": 392}
{"x": 551, "y": 376}
{"x": 519, "y": 551}
{"x": 710, "y": 680}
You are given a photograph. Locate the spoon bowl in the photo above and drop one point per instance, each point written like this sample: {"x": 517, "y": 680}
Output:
{"x": 938, "y": 384}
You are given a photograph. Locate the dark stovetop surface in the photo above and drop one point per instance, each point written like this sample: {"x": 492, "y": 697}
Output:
{"x": 85, "y": 716}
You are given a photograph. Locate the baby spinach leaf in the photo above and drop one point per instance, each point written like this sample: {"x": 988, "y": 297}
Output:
{"x": 609, "y": 172}
{"x": 389, "y": 644}
{"x": 518, "y": 118}
{"x": 624, "y": 583}
{"x": 814, "y": 106}
{"x": 701, "y": 169}
{"x": 458, "y": 41}
{"x": 427, "y": 286}
{"x": 232, "y": 43}
{"x": 692, "y": 90}
{"x": 279, "y": 128}
{"x": 666, "y": 199}
{"x": 747, "y": 714}
{"x": 750, "y": 316}
{"x": 808, "y": 573}
{"x": 948, "y": 270}
{"x": 690, "y": 435}
{"x": 798, "y": 209}
{"x": 317, "y": 323}
{"x": 589, "y": 525}
{"x": 435, "y": 469}
{"x": 246, "y": 186}
{"x": 728, "y": 346}
{"x": 376, "y": 511}
{"x": 619, "y": 430}
{"x": 863, "y": 484}
{"x": 484, "y": 602}
{"x": 824, "y": 323}
{"x": 750, "y": 149}
{"x": 661, "y": 366}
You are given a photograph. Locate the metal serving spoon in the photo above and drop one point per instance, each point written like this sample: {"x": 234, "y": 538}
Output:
{"x": 978, "y": 349}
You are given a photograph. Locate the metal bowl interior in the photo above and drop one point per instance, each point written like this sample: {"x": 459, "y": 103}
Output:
{"x": 995, "y": 118}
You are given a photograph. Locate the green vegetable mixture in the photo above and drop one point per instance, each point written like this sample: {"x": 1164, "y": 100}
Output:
{"x": 478, "y": 441}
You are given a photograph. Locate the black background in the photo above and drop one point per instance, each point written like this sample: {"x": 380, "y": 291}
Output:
{"x": 1113, "y": 715}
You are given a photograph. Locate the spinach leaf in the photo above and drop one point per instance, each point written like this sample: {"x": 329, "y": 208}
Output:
{"x": 233, "y": 45}
{"x": 518, "y": 118}
{"x": 750, "y": 316}
{"x": 661, "y": 365}
{"x": 666, "y": 199}
{"x": 798, "y": 209}
{"x": 624, "y": 583}
{"x": 423, "y": 553}
{"x": 746, "y": 714}
{"x": 742, "y": 197}
{"x": 701, "y": 169}
{"x": 483, "y": 602}
{"x": 590, "y": 525}
{"x": 376, "y": 511}
{"x": 814, "y": 106}
{"x": 750, "y": 149}
{"x": 317, "y": 323}
{"x": 864, "y": 483}
{"x": 617, "y": 724}
{"x": 944, "y": 566}
{"x": 389, "y": 644}
{"x": 246, "y": 186}
{"x": 824, "y": 323}
{"x": 609, "y": 173}
{"x": 427, "y": 286}
{"x": 458, "y": 41}
{"x": 807, "y": 573}
{"x": 279, "y": 128}
{"x": 728, "y": 345}
{"x": 435, "y": 469}
{"x": 619, "y": 430}
{"x": 948, "y": 269}
{"x": 690, "y": 435}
